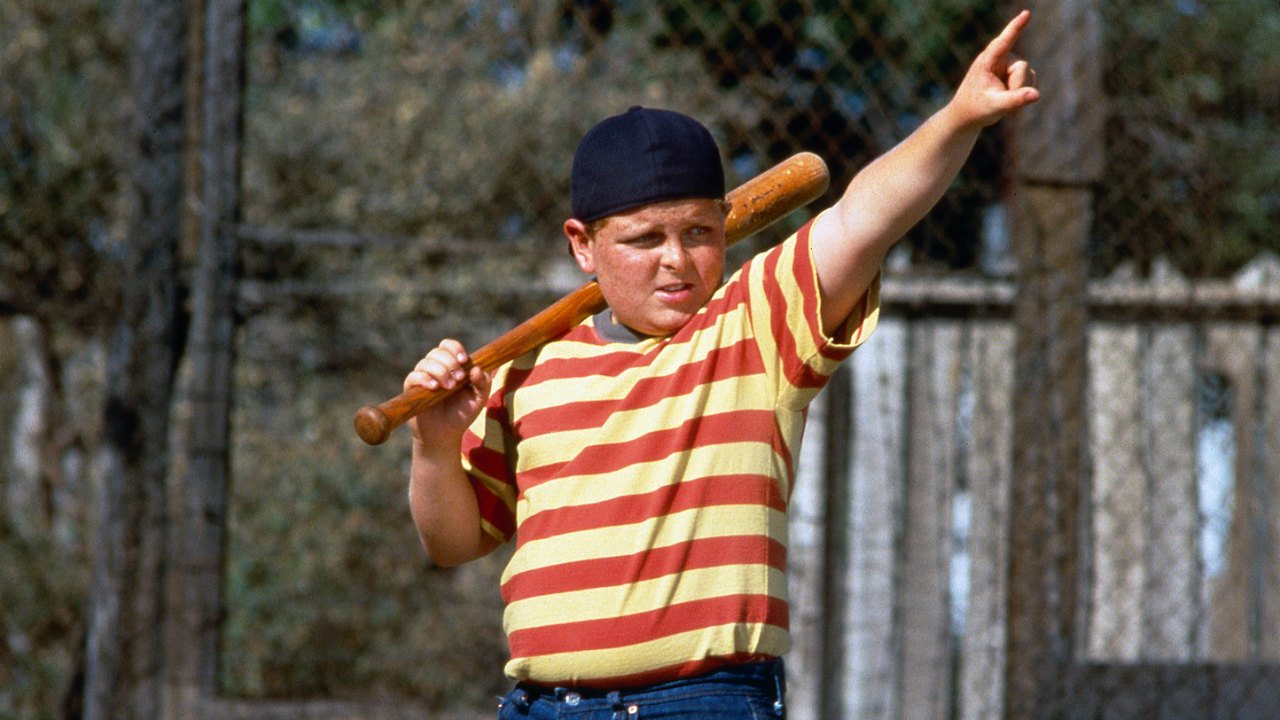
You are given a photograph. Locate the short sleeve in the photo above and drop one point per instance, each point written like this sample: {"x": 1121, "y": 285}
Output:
{"x": 485, "y": 458}
{"x": 786, "y": 310}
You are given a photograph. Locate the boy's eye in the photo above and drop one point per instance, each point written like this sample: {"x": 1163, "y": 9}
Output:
{"x": 646, "y": 240}
{"x": 699, "y": 234}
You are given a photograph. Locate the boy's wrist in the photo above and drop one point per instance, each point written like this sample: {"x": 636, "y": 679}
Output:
{"x": 437, "y": 448}
{"x": 957, "y": 121}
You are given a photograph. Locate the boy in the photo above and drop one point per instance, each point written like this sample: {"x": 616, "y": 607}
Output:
{"x": 643, "y": 461}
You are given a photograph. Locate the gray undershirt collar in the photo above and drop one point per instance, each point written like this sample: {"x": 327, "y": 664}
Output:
{"x": 611, "y": 331}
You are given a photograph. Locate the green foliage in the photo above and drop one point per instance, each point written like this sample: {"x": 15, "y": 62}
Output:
{"x": 42, "y": 589}
{"x": 1193, "y": 152}
{"x": 454, "y": 124}
{"x": 62, "y": 101}
{"x": 275, "y": 17}
{"x": 330, "y": 593}
{"x": 61, "y": 106}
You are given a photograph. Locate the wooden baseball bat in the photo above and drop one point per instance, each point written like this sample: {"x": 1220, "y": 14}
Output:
{"x": 754, "y": 205}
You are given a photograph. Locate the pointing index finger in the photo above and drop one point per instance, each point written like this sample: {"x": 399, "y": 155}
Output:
{"x": 1003, "y": 43}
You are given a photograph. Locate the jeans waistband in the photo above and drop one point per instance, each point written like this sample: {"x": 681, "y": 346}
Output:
{"x": 767, "y": 675}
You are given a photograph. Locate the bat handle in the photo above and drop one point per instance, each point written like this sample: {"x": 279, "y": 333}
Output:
{"x": 374, "y": 423}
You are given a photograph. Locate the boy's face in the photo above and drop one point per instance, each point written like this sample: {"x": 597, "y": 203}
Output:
{"x": 657, "y": 265}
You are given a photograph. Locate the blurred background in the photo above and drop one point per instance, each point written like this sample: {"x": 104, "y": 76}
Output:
{"x": 225, "y": 226}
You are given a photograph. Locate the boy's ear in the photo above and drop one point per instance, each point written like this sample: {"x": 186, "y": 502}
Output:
{"x": 580, "y": 244}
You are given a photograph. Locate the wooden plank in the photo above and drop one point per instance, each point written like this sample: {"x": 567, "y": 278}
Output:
{"x": 1232, "y": 350}
{"x": 806, "y": 568}
{"x": 1201, "y": 299}
{"x": 931, "y": 471}
{"x": 26, "y": 463}
{"x": 1118, "y": 493}
{"x": 989, "y": 462}
{"x": 1270, "y": 460}
{"x": 873, "y": 522}
{"x": 1171, "y": 603}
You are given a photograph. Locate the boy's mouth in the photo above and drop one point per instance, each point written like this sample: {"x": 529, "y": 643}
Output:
{"x": 675, "y": 291}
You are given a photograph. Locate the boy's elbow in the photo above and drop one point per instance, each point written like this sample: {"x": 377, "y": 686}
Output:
{"x": 451, "y": 554}
{"x": 443, "y": 555}
{"x": 446, "y": 560}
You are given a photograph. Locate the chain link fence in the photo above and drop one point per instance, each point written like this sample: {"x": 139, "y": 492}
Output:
{"x": 406, "y": 174}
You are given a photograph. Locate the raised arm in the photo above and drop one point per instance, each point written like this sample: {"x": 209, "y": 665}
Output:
{"x": 895, "y": 191}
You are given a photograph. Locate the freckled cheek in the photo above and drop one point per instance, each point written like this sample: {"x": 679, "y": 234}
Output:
{"x": 712, "y": 272}
{"x": 628, "y": 282}
{"x": 631, "y": 262}
{"x": 625, "y": 270}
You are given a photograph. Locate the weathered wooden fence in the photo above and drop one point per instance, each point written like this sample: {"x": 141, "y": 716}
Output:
{"x": 900, "y": 525}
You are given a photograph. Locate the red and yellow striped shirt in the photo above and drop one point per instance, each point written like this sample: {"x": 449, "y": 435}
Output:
{"x": 646, "y": 482}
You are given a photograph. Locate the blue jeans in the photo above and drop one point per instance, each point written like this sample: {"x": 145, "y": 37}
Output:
{"x": 752, "y": 691}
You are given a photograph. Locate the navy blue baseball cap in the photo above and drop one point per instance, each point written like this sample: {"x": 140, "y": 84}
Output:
{"x": 643, "y": 156}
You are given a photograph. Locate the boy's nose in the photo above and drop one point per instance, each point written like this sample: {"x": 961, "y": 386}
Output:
{"x": 673, "y": 253}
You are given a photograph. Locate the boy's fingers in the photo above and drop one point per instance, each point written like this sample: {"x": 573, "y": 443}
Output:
{"x": 480, "y": 380}
{"x": 420, "y": 378}
{"x": 1020, "y": 75}
{"x": 454, "y": 348}
{"x": 1003, "y": 43}
{"x": 1014, "y": 99}
{"x": 440, "y": 368}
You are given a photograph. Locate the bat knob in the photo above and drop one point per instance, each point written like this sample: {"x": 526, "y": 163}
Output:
{"x": 372, "y": 425}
